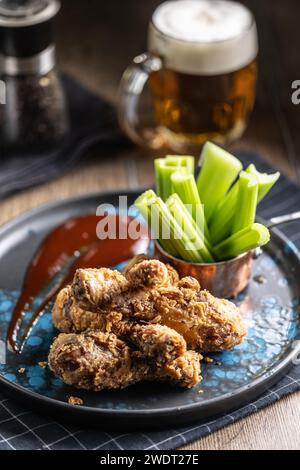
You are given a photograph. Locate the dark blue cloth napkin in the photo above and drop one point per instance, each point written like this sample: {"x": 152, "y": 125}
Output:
{"x": 20, "y": 428}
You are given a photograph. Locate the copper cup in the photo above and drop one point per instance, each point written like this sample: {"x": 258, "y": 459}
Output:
{"x": 225, "y": 279}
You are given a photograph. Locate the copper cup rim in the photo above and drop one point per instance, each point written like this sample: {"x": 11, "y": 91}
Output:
{"x": 215, "y": 263}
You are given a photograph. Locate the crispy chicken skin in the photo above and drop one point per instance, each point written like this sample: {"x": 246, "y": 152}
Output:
{"x": 98, "y": 286}
{"x": 68, "y": 317}
{"x": 159, "y": 342}
{"x": 119, "y": 329}
{"x": 173, "y": 276}
{"x": 149, "y": 275}
{"x": 95, "y": 360}
{"x": 155, "y": 294}
{"x": 208, "y": 324}
{"x": 184, "y": 371}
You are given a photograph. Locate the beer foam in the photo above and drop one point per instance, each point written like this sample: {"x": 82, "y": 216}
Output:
{"x": 203, "y": 36}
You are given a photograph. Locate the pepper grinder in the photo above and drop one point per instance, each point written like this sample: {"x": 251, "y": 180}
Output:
{"x": 34, "y": 116}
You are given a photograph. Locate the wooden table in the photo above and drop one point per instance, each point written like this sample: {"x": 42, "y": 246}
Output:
{"x": 91, "y": 47}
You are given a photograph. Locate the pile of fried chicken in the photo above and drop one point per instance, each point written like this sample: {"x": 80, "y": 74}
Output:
{"x": 143, "y": 324}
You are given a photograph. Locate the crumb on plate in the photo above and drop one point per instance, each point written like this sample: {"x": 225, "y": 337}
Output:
{"x": 43, "y": 364}
{"x": 209, "y": 360}
{"x": 260, "y": 279}
{"x": 75, "y": 401}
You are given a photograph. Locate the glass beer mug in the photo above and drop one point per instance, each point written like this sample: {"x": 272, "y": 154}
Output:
{"x": 201, "y": 70}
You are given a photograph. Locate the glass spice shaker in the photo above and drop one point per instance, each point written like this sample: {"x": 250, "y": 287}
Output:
{"x": 34, "y": 116}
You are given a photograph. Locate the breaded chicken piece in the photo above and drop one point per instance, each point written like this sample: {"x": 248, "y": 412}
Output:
{"x": 68, "y": 317}
{"x": 147, "y": 274}
{"x": 98, "y": 286}
{"x": 173, "y": 277}
{"x": 206, "y": 322}
{"x": 95, "y": 361}
{"x": 157, "y": 341}
{"x": 185, "y": 370}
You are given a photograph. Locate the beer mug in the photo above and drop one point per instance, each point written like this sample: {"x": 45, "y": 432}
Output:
{"x": 201, "y": 71}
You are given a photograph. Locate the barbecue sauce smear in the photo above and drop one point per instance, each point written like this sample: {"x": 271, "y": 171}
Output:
{"x": 72, "y": 245}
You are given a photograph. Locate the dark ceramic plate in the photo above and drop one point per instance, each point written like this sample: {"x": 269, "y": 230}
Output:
{"x": 271, "y": 310}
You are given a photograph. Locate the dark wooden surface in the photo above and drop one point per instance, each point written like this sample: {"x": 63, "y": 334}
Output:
{"x": 96, "y": 41}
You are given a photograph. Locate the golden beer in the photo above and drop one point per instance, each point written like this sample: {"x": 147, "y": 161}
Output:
{"x": 191, "y": 109}
{"x": 201, "y": 68}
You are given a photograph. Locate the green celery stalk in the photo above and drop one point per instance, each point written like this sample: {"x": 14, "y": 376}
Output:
{"x": 163, "y": 173}
{"x": 180, "y": 240}
{"x": 245, "y": 210}
{"x": 144, "y": 203}
{"x": 189, "y": 227}
{"x": 222, "y": 221}
{"x": 165, "y": 228}
{"x": 186, "y": 161}
{"x": 186, "y": 188}
{"x": 265, "y": 181}
{"x": 162, "y": 177}
{"x": 218, "y": 171}
{"x": 247, "y": 239}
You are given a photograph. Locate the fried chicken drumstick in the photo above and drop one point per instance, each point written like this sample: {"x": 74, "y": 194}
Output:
{"x": 117, "y": 352}
{"x": 95, "y": 360}
{"x": 151, "y": 291}
{"x": 119, "y": 329}
{"x": 156, "y": 341}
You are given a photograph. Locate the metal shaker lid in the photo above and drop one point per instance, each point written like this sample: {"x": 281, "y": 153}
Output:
{"x": 20, "y": 13}
{"x": 26, "y": 26}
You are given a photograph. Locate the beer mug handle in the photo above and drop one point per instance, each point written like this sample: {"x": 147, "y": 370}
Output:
{"x": 131, "y": 88}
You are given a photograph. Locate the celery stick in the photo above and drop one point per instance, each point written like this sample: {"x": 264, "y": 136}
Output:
{"x": 218, "y": 171}
{"x": 222, "y": 221}
{"x": 186, "y": 188}
{"x": 165, "y": 228}
{"x": 245, "y": 211}
{"x": 162, "y": 177}
{"x": 265, "y": 181}
{"x": 247, "y": 239}
{"x": 169, "y": 232}
{"x": 163, "y": 174}
{"x": 186, "y": 161}
{"x": 143, "y": 203}
{"x": 180, "y": 240}
{"x": 189, "y": 227}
